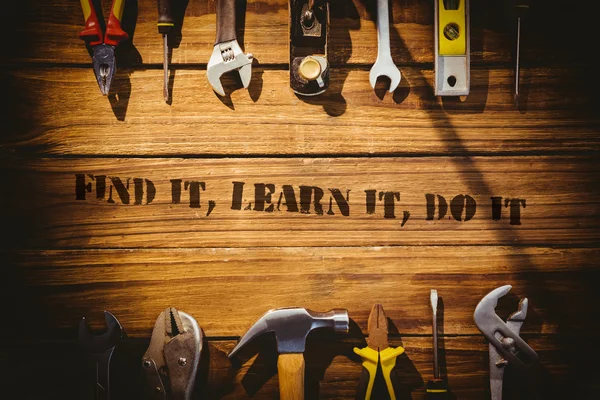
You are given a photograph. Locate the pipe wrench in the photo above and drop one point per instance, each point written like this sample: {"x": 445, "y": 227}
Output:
{"x": 452, "y": 47}
{"x": 506, "y": 346}
{"x": 171, "y": 361}
{"x": 227, "y": 54}
{"x": 309, "y": 38}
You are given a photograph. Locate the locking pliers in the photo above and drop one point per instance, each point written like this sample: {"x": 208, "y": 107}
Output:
{"x": 171, "y": 361}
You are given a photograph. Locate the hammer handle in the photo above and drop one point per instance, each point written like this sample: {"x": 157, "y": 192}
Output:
{"x": 225, "y": 21}
{"x": 291, "y": 376}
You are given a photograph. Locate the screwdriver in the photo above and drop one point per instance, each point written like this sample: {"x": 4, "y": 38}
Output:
{"x": 165, "y": 23}
{"x": 436, "y": 388}
{"x": 520, "y": 8}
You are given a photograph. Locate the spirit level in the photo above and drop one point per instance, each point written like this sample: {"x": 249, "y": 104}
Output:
{"x": 452, "y": 47}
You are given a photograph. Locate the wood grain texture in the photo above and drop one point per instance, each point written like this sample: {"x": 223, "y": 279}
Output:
{"x": 49, "y": 32}
{"x": 228, "y": 289}
{"x": 290, "y": 373}
{"x": 560, "y": 192}
{"x": 72, "y": 117}
{"x": 332, "y": 370}
{"x": 63, "y": 258}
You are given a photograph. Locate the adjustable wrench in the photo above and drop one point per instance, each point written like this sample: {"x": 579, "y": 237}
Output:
{"x": 227, "y": 54}
{"x": 384, "y": 65}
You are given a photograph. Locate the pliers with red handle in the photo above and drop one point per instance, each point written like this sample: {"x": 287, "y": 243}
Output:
{"x": 103, "y": 44}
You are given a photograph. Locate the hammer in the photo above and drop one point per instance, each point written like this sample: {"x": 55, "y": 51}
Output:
{"x": 291, "y": 327}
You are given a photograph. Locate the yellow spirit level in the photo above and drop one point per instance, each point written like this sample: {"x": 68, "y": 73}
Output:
{"x": 452, "y": 47}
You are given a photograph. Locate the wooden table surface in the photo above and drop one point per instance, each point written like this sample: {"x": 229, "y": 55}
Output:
{"x": 72, "y": 247}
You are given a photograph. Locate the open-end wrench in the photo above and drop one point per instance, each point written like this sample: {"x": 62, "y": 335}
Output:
{"x": 384, "y": 65}
{"x": 227, "y": 54}
{"x": 100, "y": 349}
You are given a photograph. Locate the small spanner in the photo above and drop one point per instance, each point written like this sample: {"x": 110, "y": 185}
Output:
{"x": 384, "y": 65}
{"x": 506, "y": 346}
{"x": 227, "y": 54}
{"x": 100, "y": 349}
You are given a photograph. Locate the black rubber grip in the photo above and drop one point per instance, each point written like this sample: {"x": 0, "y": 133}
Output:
{"x": 225, "y": 21}
{"x": 165, "y": 19}
{"x": 437, "y": 389}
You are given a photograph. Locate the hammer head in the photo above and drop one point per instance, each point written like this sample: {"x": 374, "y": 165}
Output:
{"x": 292, "y": 326}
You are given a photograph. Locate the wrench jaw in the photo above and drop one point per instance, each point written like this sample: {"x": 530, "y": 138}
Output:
{"x": 226, "y": 57}
{"x": 518, "y": 317}
{"x": 99, "y": 344}
{"x": 387, "y": 69}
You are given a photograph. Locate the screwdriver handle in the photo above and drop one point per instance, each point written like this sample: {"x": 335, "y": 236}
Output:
{"x": 165, "y": 18}
{"x": 437, "y": 389}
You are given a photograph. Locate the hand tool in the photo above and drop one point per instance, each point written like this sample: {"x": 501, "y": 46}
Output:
{"x": 103, "y": 46}
{"x": 436, "y": 388}
{"x": 452, "y": 47}
{"x": 227, "y": 54}
{"x": 506, "y": 346}
{"x": 291, "y": 327}
{"x": 100, "y": 349}
{"x": 165, "y": 24}
{"x": 171, "y": 361}
{"x": 309, "y": 41}
{"x": 520, "y": 8}
{"x": 384, "y": 65}
{"x": 378, "y": 351}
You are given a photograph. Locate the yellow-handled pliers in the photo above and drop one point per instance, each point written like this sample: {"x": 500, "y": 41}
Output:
{"x": 378, "y": 351}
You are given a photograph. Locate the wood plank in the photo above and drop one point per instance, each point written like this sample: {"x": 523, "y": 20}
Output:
{"x": 228, "y": 289}
{"x": 48, "y": 32}
{"x": 561, "y": 198}
{"x": 333, "y": 370}
{"x": 60, "y": 111}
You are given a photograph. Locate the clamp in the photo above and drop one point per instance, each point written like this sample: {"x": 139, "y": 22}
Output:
{"x": 309, "y": 37}
{"x": 378, "y": 352}
{"x": 506, "y": 346}
{"x": 171, "y": 361}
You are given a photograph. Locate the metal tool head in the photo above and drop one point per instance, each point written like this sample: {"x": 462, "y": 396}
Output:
{"x": 499, "y": 333}
{"x": 378, "y": 329}
{"x": 98, "y": 344}
{"x": 172, "y": 359}
{"x": 292, "y": 325}
{"x": 228, "y": 56}
{"x": 104, "y": 64}
{"x": 385, "y": 67}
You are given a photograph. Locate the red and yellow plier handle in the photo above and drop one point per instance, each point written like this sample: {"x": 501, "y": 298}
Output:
{"x": 372, "y": 358}
{"x": 93, "y": 29}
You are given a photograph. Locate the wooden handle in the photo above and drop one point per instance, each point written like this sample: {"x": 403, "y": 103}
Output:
{"x": 291, "y": 376}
